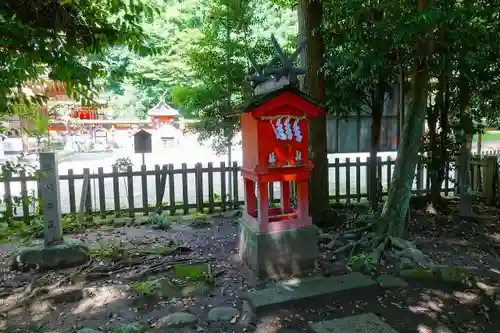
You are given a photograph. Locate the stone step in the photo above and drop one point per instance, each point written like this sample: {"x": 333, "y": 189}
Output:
{"x": 304, "y": 289}
{"x": 363, "y": 323}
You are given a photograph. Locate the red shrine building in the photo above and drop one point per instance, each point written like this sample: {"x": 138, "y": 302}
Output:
{"x": 277, "y": 241}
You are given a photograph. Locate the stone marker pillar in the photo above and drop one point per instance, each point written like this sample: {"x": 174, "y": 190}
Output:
{"x": 51, "y": 202}
{"x": 56, "y": 253}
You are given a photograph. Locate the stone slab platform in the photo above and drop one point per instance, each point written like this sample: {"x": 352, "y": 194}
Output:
{"x": 364, "y": 323}
{"x": 304, "y": 289}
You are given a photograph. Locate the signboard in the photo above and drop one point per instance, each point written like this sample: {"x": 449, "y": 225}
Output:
{"x": 142, "y": 142}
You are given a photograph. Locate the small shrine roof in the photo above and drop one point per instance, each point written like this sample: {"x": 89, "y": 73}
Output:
{"x": 162, "y": 109}
{"x": 258, "y": 100}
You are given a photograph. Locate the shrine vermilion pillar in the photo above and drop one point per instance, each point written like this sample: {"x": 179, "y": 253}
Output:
{"x": 277, "y": 241}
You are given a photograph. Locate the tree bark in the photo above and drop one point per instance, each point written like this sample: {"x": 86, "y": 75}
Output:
{"x": 377, "y": 111}
{"x": 401, "y": 98}
{"x": 395, "y": 209}
{"x": 310, "y": 14}
{"x": 434, "y": 163}
{"x": 464, "y": 159}
{"x": 439, "y": 152}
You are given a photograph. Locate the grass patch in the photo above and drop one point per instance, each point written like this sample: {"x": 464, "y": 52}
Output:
{"x": 193, "y": 272}
{"x": 148, "y": 288}
{"x": 200, "y": 220}
{"x": 113, "y": 251}
{"x": 488, "y": 138}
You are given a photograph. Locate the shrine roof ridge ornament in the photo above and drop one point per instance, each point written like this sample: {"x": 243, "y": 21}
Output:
{"x": 266, "y": 78}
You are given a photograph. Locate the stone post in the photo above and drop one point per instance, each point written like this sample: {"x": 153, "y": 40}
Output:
{"x": 50, "y": 197}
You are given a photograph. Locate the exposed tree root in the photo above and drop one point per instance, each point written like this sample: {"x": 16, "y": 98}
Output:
{"x": 31, "y": 293}
{"x": 380, "y": 247}
{"x": 88, "y": 273}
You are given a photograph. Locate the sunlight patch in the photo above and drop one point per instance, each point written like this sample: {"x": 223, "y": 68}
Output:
{"x": 466, "y": 297}
{"x": 101, "y": 297}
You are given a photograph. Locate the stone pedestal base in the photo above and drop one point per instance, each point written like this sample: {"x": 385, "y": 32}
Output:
{"x": 278, "y": 255}
{"x": 71, "y": 253}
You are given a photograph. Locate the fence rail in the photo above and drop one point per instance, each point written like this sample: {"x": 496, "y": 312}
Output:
{"x": 200, "y": 188}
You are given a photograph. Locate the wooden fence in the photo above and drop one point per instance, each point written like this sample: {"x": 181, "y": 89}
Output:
{"x": 200, "y": 188}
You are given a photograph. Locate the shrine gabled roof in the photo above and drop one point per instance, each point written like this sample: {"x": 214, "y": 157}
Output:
{"x": 261, "y": 99}
{"x": 162, "y": 109}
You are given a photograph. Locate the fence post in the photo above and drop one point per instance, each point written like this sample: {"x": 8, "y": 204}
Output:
{"x": 24, "y": 195}
{"x": 7, "y": 175}
{"x": 489, "y": 179}
{"x": 144, "y": 189}
{"x": 198, "y": 176}
{"x": 130, "y": 192}
{"x": 235, "y": 195}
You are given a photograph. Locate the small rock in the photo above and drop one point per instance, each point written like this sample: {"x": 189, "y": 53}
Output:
{"x": 87, "y": 330}
{"x": 178, "y": 319}
{"x": 223, "y": 313}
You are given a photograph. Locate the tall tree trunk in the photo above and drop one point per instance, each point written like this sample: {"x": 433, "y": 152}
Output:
{"x": 310, "y": 14}
{"x": 377, "y": 111}
{"x": 396, "y": 207}
{"x": 439, "y": 152}
{"x": 434, "y": 163}
{"x": 464, "y": 159}
{"x": 401, "y": 97}
{"x": 444, "y": 123}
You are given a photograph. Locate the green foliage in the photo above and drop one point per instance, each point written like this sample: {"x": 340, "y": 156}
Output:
{"x": 230, "y": 31}
{"x": 200, "y": 220}
{"x": 364, "y": 263}
{"x": 141, "y": 80}
{"x": 193, "y": 272}
{"x": 191, "y": 36}
{"x": 80, "y": 31}
{"x": 147, "y": 288}
{"x": 111, "y": 251}
{"x": 161, "y": 221}
{"x": 122, "y": 164}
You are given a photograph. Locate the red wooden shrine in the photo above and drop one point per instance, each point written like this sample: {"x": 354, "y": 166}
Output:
{"x": 274, "y": 131}
{"x": 85, "y": 113}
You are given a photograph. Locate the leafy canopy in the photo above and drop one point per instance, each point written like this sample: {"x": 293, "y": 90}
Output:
{"x": 56, "y": 39}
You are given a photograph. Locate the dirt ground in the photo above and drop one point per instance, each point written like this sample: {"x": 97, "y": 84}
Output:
{"x": 108, "y": 299}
